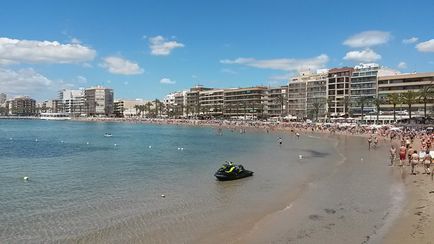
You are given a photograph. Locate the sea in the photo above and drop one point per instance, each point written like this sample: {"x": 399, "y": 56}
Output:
{"x": 154, "y": 183}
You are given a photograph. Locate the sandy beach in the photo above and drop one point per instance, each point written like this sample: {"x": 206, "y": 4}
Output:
{"x": 415, "y": 223}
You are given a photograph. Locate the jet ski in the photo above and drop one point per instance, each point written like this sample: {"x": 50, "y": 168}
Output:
{"x": 231, "y": 171}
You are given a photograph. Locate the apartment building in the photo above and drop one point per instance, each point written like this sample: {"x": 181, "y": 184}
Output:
{"x": 244, "y": 101}
{"x": 364, "y": 80}
{"x": 192, "y": 99}
{"x": 211, "y": 102}
{"x": 276, "y": 101}
{"x": 99, "y": 101}
{"x": 307, "y": 94}
{"x": 401, "y": 83}
{"x": 21, "y": 106}
{"x": 73, "y": 102}
{"x": 338, "y": 91}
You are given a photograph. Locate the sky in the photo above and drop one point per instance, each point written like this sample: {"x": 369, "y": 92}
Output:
{"x": 147, "y": 49}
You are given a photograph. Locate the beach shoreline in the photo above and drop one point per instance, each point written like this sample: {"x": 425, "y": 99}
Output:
{"x": 411, "y": 223}
{"x": 406, "y": 225}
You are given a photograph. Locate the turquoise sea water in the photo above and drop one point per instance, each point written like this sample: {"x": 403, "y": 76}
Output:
{"x": 85, "y": 188}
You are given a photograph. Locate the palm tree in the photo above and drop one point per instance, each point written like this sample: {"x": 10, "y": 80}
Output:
{"x": 377, "y": 102}
{"x": 148, "y": 106}
{"x": 362, "y": 101}
{"x": 254, "y": 112}
{"x": 347, "y": 103}
{"x": 394, "y": 99}
{"x": 409, "y": 98}
{"x": 136, "y": 107}
{"x": 161, "y": 108}
{"x": 156, "y": 101}
{"x": 330, "y": 101}
{"x": 245, "y": 109}
{"x": 316, "y": 106}
{"x": 425, "y": 95}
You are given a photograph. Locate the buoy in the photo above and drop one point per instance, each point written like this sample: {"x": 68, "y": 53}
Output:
{"x": 163, "y": 196}
{"x": 25, "y": 178}
{"x": 61, "y": 141}
{"x": 182, "y": 149}
{"x": 36, "y": 140}
{"x": 11, "y": 138}
{"x": 115, "y": 144}
{"x": 150, "y": 146}
{"x": 87, "y": 143}
{"x": 300, "y": 156}
{"x": 179, "y": 148}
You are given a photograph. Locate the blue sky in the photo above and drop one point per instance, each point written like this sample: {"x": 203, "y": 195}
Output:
{"x": 146, "y": 49}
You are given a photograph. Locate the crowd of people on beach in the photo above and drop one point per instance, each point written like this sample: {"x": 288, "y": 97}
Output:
{"x": 414, "y": 150}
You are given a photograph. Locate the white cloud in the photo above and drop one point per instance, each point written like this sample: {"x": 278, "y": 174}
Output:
{"x": 118, "y": 65}
{"x": 167, "y": 81}
{"x": 281, "y": 77}
{"x": 75, "y": 41}
{"x": 160, "y": 46}
{"x": 28, "y": 82}
{"x": 410, "y": 40}
{"x": 283, "y": 63}
{"x": 30, "y": 51}
{"x": 367, "y": 55}
{"x": 427, "y": 46}
{"x": 402, "y": 65}
{"x": 81, "y": 79}
{"x": 367, "y": 39}
{"x": 229, "y": 71}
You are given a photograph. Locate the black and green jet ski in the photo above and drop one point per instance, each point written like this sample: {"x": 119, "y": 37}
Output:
{"x": 231, "y": 171}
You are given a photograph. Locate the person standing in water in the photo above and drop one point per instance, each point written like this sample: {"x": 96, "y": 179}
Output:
{"x": 369, "y": 143}
{"x": 298, "y": 135}
{"x": 402, "y": 155}
{"x": 392, "y": 155}
{"x": 375, "y": 142}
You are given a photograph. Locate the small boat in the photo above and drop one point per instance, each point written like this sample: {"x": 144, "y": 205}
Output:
{"x": 230, "y": 171}
{"x": 108, "y": 135}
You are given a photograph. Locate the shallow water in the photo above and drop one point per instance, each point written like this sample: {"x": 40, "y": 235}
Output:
{"x": 85, "y": 188}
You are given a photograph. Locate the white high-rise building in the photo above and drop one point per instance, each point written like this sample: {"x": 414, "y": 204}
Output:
{"x": 73, "y": 101}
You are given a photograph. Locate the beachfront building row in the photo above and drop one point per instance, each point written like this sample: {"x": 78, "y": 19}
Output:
{"x": 344, "y": 91}
{"x": 252, "y": 102}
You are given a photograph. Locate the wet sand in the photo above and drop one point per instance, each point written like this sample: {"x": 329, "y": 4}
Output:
{"x": 357, "y": 203}
{"x": 415, "y": 224}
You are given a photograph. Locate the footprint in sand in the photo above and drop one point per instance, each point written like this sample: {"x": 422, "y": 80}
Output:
{"x": 330, "y": 211}
{"x": 315, "y": 217}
